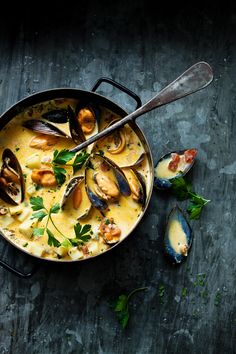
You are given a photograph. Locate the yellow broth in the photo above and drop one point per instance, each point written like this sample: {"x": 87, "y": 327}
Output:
{"x": 125, "y": 211}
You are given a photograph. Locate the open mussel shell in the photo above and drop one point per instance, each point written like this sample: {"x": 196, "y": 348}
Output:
{"x": 168, "y": 167}
{"x": 88, "y": 114}
{"x": 11, "y": 179}
{"x": 137, "y": 185}
{"x": 56, "y": 116}
{"x": 75, "y": 128}
{"x": 178, "y": 236}
{"x": 122, "y": 146}
{"x": 42, "y": 127}
{"x": 104, "y": 181}
{"x": 68, "y": 199}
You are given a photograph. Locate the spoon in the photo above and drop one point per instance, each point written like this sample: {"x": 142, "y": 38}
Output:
{"x": 193, "y": 79}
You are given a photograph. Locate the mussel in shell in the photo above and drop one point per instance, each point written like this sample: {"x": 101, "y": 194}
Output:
{"x": 173, "y": 165}
{"x": 109, "y": 231}
{"x": 56, "y": 116}
{"x": 104, "y": 181}
{"x": 11, "y": 179}
{"x": 75, "y": 197}
{"x": 178, "y": 236}
{"x": 88, "y": 117}
{"x": 42, "y": 127}
{"x": 137, "y": 185}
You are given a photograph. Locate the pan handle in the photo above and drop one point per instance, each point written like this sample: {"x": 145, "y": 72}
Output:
{"x": 120, "y": 87}
{"x": 17, "y": 272}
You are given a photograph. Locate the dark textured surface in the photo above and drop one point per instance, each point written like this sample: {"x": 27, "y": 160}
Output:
{"x": 66, "y": 309}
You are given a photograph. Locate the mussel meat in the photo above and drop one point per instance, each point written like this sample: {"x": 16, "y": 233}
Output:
{"x": 105, "y": 181}
{"x": 137, "y": 185}
{"x": 42, "y": 127}
{"x": 178, "y": 236}
{"x": 57, "y": 116}
{"x": 75, "y": 197}
{"x": 88, "y": 117}
{"x": 173, "y": 165}
{"x": 11, "y": 179}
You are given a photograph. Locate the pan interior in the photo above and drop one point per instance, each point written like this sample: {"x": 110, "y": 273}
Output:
{"x": 50, "y": 238}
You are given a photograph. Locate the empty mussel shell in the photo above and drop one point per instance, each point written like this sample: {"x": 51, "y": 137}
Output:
{"x": 57, "y": 116}
{"x": 104, "y": 181}
{"x": 11, "y": 179}
{"x": 75, "y": 197}
{"x": 45, "y": 128}
{"x": 173, "y": 165}
{"x": 178, "y": 236}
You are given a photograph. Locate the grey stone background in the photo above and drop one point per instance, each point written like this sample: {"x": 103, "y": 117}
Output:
{"x": 65, "y": 309}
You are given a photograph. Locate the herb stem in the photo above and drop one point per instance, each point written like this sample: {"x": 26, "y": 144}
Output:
{"x": 49, "y": 217}
{"x": 135, "y": 291}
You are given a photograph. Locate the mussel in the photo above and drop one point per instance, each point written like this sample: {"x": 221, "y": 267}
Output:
{"x": 123, "y": 146}
{"x": 178, "y": 236}
{"x": 88, "y": 117}
{"x": 42, "y": 127}
{"x": 56, "y": 116}
{"x": 11, "y": 179}
{"x": 137, "y": 185}
{"x": 173, "y": 165}
{"x": 75, "y": 197}
{"x": 104, "y": 181}
{"x": 109, "y": 231}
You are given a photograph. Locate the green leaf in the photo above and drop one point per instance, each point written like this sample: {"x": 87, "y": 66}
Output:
{"x": 81, "y": 233}
{"x": 77, "y": 229}
{"x": 36, "y": 203}
{"x": 121, "y": 303}
{"x": 198, "y": 199}
{"x": 52, "y": 241}
{"x": 62, "y": 157}
{"x": 38, "y": 231}
{"x": 194, "y": 211}
{"x": 60, "y": 174}
{"x": 80, "y": 160}
{"x": 39, "y": 215}
{"x": 181, "y": 188}
{"x": 55, "y": 208}
{"x": 123, "y": 318}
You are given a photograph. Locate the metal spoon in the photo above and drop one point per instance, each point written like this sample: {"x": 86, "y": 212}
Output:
{"x": 193, "y": 79}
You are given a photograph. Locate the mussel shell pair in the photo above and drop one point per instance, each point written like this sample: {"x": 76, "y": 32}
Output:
{"x": 121, "y": 179}
{"x": 10, "y": 192}
{"x": 165, "y": 183}
{"x": 63, "y": 116}
{"x": 178, "y": 236}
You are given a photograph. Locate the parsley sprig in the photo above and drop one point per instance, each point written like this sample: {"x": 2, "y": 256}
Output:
{"x": 61, "y": 158}
{"x": 182, "y": 189}
{"x": 121, "y": 307}
{"x": 82, "y": 233}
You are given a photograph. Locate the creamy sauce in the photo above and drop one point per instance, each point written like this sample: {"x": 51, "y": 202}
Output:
{"x": 125, "y": 211}
{"x": 162, "y": 170}
{"x": 177, "y": 236}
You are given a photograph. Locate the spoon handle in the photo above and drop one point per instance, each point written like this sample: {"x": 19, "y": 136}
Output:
{"x": 193, "y": 79}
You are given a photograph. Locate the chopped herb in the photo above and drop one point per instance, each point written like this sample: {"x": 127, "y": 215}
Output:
{"x": 62, "y": 157}
{"x": 25, "y": 244}
{"x": 36, "y": 203}
{"x": 161, "y": 293}
{"x": 107, "y": 222}
{"x": 17, "y": 148}
{"x": 182, "y": 189}
{"x": 25, "y": 176}
{"x": 184, "y": 292}
{"x": 121, "y": 307}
